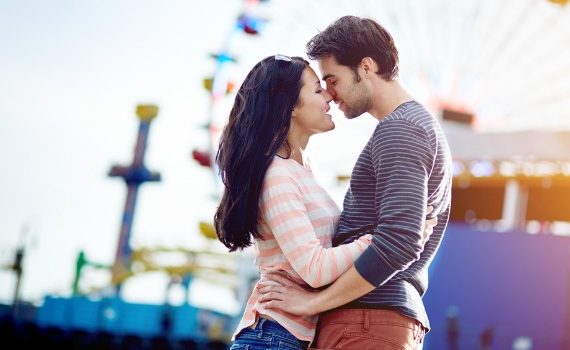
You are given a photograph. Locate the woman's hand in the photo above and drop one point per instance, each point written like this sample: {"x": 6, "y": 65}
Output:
{"x": 429, "y": 225}
{"x": 279, "y": 292}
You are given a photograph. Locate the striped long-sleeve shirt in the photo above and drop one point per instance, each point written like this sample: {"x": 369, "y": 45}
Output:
{"x": 297, "y": 221}
{"x": 404, "y": 167}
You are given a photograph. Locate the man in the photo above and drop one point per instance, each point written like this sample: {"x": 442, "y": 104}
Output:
{"x": 404, "y": 168}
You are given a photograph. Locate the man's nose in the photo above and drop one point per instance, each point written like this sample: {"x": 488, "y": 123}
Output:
{"x": 328, "y": 96}
{"x": 331, "y": 93}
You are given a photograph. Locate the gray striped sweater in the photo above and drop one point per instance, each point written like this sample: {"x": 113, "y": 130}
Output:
{"x": 404, "y": 167}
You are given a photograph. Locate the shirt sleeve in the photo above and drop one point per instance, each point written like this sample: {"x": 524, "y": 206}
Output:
{"x": 402, "y": 159}
{"x": 283, "y": 210}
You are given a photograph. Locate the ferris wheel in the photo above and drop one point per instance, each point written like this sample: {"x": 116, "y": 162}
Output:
{"x": 505, "y": 62}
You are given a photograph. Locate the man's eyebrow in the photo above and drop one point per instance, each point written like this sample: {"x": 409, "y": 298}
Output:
{"x": 327, "y": 76}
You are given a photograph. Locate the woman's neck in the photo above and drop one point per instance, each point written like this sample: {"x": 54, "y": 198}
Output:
{"x": 295, "y": 149}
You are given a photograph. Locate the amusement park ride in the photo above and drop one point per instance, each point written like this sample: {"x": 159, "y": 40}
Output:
{"x": 102, "y": 308}
{"x": 129, "y": 261}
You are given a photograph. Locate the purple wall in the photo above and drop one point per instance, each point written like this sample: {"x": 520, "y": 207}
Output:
{"x": 516, "y": 283}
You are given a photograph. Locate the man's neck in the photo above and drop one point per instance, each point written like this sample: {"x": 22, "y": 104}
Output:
{"x": 387, "y": 97}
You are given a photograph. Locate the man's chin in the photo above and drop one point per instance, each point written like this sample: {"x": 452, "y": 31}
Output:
{"x": 353, "y": 113}
{"x": 348, "y": 115}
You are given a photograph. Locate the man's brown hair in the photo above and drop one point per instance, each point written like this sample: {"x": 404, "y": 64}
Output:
{"x": 349, "y": 39}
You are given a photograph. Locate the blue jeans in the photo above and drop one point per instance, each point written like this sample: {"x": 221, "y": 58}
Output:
{"x": 267, "y": 334}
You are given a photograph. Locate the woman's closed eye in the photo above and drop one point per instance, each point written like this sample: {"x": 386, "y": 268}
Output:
{"x": 320, "y": 89}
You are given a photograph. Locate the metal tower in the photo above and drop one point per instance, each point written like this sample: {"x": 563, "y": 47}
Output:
{"x": 133, "y": 175}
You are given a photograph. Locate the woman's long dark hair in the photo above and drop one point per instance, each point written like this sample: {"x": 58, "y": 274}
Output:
{"x": 257, "y": 127}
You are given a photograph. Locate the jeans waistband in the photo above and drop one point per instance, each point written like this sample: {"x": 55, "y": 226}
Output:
{"x": 266, "y": 327}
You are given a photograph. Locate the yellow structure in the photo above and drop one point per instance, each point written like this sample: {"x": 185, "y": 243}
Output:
{"x": 207, "y": 230}
{"x": 147, "y": 112}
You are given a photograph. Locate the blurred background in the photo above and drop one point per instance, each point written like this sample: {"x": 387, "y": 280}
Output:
{"x": 97, "y": 98}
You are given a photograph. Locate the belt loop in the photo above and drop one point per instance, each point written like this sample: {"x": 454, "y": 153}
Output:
{"x": 366, "y": 314}
{"x": 260, "y": 327}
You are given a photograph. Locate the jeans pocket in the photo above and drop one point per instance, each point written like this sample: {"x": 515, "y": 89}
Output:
{"x": 239, "y": 347}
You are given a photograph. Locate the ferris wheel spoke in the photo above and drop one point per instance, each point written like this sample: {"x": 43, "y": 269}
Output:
{"x": 537, "y": 80}
{"x": 475, "y": 17}
{"x": 495, "y": 54}
{"x": 555, "y": 93}
{"x": 526, "y": 71}
{"x": 489, "y": 25}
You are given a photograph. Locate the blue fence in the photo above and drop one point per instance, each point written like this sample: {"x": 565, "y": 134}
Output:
{"x": 116, "y": 316}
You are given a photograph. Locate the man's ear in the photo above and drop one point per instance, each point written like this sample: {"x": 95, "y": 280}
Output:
{"x": 369, "y": 65}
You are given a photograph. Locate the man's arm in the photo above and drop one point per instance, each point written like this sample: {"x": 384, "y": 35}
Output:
{"x": 402, "y": 159}
{"x": 348, "y": 287}
{"x": 286, "y": 296}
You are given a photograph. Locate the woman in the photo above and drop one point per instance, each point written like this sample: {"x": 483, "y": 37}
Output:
{"x": 271, "y": 196}
{"x": 272, "y": 199}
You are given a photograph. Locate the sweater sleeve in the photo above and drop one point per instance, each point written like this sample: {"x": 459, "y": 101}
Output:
{"x": 402, "y": 159}
{"x": 283, "y": 210}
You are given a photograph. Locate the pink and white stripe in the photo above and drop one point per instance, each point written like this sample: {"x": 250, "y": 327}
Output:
{"x": 297, "y": 221}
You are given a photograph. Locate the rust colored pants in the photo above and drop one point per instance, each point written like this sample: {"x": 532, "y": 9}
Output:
{"x": 363, "y": 329}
